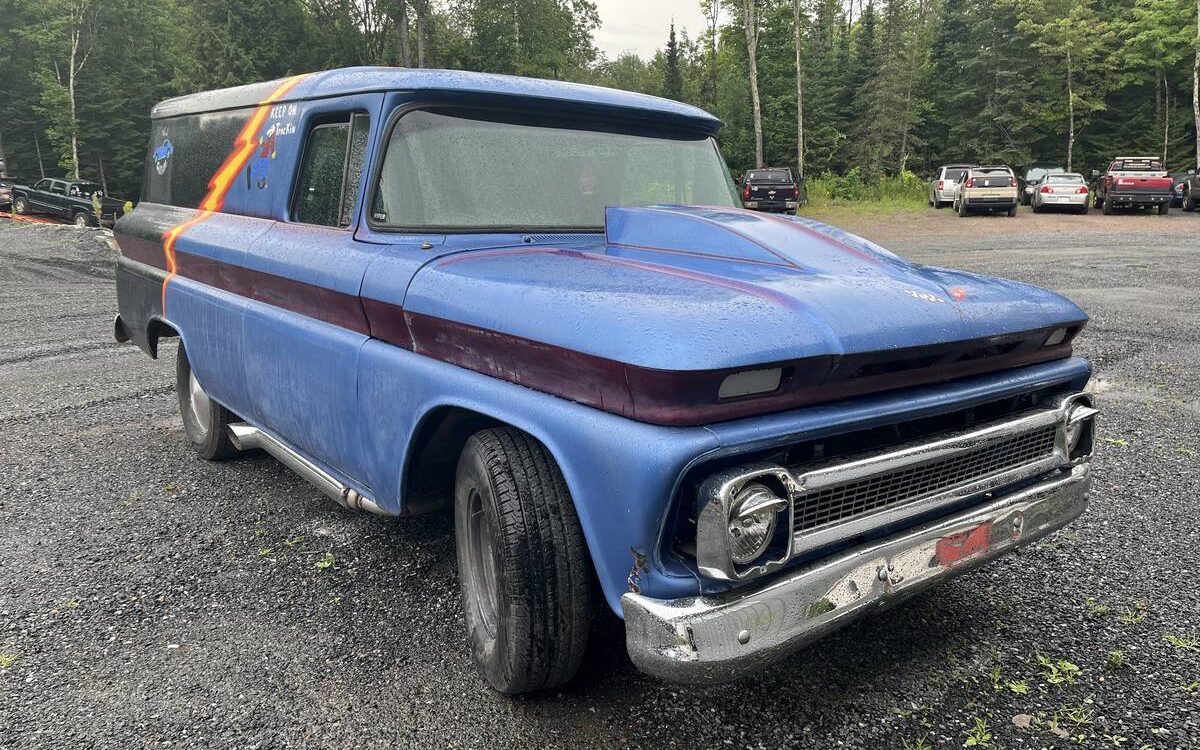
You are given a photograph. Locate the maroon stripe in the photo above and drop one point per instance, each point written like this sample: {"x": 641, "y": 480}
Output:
{"x": 342, "y": 310}
{"x": 584, "y": 378}
{"x": 142, "y": 249}
{"x": 665, "y": 397}
{"x": 690, "y": 397}
{"x": 387, "y": 323}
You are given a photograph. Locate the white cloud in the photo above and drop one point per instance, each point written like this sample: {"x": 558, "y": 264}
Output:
{"x": 642, "y": 26}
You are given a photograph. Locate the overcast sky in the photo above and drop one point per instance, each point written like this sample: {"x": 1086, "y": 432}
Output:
{"x": 642, "y": 26}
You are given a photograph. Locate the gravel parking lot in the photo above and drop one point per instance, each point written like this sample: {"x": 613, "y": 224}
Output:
{"x": 148, "y": 598}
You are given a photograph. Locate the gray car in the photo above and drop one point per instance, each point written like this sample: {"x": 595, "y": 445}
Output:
{"x": 1066, "y": 191}
{"x": 943, "y": 187}
{"x": 1033, "y": 179}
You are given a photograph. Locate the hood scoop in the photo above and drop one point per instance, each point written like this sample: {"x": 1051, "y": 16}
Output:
{"x": 738, "y": 234}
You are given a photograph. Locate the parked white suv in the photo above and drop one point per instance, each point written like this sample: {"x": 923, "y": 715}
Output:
{"x": 944, "y": 186}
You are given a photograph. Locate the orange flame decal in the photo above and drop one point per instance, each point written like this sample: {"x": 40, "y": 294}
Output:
{"x": 222, "y": 180}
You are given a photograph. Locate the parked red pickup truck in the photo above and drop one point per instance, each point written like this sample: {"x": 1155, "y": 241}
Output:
{"x": 1134, "y": 181}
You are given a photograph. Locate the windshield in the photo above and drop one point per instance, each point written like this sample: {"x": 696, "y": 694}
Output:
{"x": 456, "y": 171}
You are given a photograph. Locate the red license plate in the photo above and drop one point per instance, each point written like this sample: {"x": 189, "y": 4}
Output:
{"x": 955, "y": 548}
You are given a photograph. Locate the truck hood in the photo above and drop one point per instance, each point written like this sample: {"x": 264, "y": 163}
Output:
{"x": 695, "y": 290}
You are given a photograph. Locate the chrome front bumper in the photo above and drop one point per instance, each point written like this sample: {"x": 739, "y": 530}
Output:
{"x": 710, "y": 639}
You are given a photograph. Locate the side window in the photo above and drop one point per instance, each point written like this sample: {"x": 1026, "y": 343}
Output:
{"x": 327, "y": 188}
{"x": 58, "y": 187}
{"x": 42, "y": 185}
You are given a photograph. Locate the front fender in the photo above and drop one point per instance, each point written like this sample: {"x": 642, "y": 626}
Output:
{"x": 621, "y": 473}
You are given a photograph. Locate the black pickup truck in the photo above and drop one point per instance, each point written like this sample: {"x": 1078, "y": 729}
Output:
{"x": 66, "y": 199}
{"x": 773, "y": 189}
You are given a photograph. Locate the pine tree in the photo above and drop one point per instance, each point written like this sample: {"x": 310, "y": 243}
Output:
{"x": 672, "y": 74}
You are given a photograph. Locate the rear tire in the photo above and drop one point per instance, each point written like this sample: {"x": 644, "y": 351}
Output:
{"x": 1012, "y": 211}
{"x": 20, "y": 206}
{"x": 523, "y": 563}
{"x": 1084, "y": 210}
{"x": 1106, "y": 207}
{"x": 962, "y": 209}
{"x": 205, "y": 422}
{"x": 81, "y": 219}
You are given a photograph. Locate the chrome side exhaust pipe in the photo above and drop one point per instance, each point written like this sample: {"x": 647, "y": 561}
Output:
{"x": 247, "y": 438}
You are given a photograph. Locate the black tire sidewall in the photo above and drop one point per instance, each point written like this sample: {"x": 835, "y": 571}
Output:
{"x": 20, "y": 206}
{"x": 214, "y": 442}
{"x": 490, "y": 652}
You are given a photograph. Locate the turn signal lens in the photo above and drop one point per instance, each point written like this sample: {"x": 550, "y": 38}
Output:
{"x": 1058, "y": 336}
{"x": 750, "y": 382}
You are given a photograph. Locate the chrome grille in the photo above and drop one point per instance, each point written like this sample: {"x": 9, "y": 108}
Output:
{"x": 892, "y": 489}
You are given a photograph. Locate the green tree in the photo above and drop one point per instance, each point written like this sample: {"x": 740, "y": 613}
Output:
{"x": 1158, "y": 36}
{"x": 672, "y": 71}
{"x": 1076, "y": 41}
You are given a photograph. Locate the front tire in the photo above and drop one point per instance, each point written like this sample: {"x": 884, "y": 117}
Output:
{"x": 523, "y": 563}
{"x": 20, "y": 206}
{"x": 1189, "y": 203}
{"x": 205, "y": 422}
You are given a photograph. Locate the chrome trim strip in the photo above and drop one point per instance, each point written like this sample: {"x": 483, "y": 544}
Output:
{"x": 246, "y": 437}
{"x": 711, "y": 639}
{"x": 806, "y": 540}
{"x": 918, "y": 454}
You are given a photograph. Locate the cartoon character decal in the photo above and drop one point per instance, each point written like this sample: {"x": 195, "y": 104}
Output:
{"x": 162, "y": 155}
{"x": 260, "y": 163}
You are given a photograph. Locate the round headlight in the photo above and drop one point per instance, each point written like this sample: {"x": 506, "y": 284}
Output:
{"x": 750, "y": 533}
{"x": 1074, "y": 431}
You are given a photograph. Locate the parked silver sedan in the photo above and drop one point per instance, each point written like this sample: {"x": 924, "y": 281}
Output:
{"x": 943, "y": 188}
{"x": 1067, "y": 191}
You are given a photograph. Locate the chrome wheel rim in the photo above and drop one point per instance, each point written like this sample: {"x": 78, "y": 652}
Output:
{"x": 482, "y": 571}
{"x": 80, "y": 220}
{"x": 200, "y": 404}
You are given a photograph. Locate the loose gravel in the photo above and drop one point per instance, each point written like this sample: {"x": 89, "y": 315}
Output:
{"x": 148, "y": 598}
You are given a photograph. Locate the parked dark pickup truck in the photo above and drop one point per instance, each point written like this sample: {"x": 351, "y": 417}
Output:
{"x": 773, "y": 189}
{"x": 1134, "y": 181}
{"x": 66, "y": 199}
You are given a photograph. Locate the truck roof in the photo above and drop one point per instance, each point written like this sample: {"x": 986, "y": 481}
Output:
{"x": 438, "y": 83}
